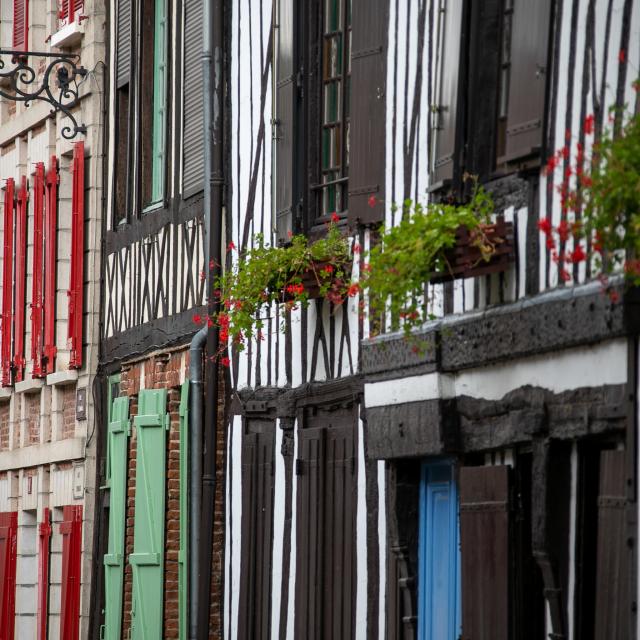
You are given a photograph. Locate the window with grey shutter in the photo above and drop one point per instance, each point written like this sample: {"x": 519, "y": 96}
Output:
{"x": 285, "y": 108}
{"x": 527, "y": 78}
{"x": 193, "y": 101}
{"x": 450, "y": 78}
{"x": 123, "y": 42}
{"x": 123, "y": 56}
{"x": 368, "y": 110}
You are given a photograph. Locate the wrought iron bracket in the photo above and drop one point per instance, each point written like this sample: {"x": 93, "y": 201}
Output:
{"x": 57, "y": 84}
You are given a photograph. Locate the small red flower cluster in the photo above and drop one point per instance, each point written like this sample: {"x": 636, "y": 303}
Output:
{"x": 294, "y": 289}
{"x": 563, "y": 230}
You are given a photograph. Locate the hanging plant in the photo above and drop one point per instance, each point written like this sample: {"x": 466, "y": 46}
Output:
{"x": 600, "y": 204}
{"x": 290, "y": 275}
{"x": 423, "y": 248}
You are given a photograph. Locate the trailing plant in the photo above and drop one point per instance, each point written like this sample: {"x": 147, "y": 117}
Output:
{"x": 267, "y": 274}
{"x": 409, "y": 254}
{"x": 600, "y": 204}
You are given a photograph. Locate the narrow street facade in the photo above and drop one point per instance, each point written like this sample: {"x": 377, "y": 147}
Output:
{"x": 51, "y": 174}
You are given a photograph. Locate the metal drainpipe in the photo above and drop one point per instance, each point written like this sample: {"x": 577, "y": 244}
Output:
{"x": 213, "y": 86}
{"x": 195, "y": 478}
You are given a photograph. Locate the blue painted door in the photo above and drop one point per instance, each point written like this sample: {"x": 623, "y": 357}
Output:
{"x": 438, "y": 554}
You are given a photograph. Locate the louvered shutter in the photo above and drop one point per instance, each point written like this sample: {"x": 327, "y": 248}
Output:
{"x": 183, "y": 552}
{"x": 74, "y": 5}
{"x": 20, "y": 25}
{"x": 37, "y": 290}
{"x": 20, "y": 280}
{"x": 368, "y": 110}
{"x": 71, "y": 530}
{"x": 527, "y": 78}
{"x": 50, "y": 258}
{"x": 8, "y": 557}
{"x": 448, "y": 89}
{"x": 612, "y": 610}
{"x": 484, "y": 545}
{"x": 257, "y": 530}
{"x": 7, "y": 281}
{"x": 285, "y": 120}
{"x": 193, "y": 101}
{"x": 44, "y": 558}
{"x": 147, "y": 559}
{"x": 124, "y": 26}
{"x": 114, "y": 558}
{"x": 76, "y": 276}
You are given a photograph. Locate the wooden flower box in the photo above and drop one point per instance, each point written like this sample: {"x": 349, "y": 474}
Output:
{"x": 465, "y": 259}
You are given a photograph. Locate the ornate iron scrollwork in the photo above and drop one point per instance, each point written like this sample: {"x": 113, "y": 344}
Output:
{"x": 28, "y": 84}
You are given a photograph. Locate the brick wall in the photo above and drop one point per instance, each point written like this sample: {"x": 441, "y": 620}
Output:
{"x": 68, "y": 396}
{"x": 4, "y": 425}
{"x": 216, "y": 611}
{"x": 164, "y": 371}
{"x": 32, "y": 415}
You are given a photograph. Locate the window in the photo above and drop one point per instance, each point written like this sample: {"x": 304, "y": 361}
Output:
{"x": 20, "y": 41}
{"x": 141, "y": 96}
{"x": 332, "y": 189}
{"x": 490, "y": 88}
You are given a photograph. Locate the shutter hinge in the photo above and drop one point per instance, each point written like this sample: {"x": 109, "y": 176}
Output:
{"x": 129, "y": 425}
{"x": 300, "y": 82}
{"x": 299, "y": 466}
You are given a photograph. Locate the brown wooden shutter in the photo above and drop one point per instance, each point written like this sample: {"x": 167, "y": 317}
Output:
{"x": 448, "y": 90}
{"x": 370, "y": 21}
{"x": 123, "y": 42}
{"x": 527, "y": 78}
{"x": 285, "y": 120}
{"x": 310, "y": 472}
{"x": 484, "y": 543}
{"x": 193, "y": 101}
{"x": 257, "y": 531}
{"x": 612, "y": 610}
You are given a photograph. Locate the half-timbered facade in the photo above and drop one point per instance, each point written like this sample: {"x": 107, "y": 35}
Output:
{"x": 484, "y": 487}
{"x": 50, "y": 228}
{"x": 153, "y": 293}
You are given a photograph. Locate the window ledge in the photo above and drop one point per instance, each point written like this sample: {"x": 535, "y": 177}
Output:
{"x": 68, "y": 36}
{"x": 62, "y": 377}
{"x": 31, "y": 385}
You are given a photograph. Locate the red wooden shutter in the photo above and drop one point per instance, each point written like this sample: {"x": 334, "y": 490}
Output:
{"x": 20, "y": 24}
{"x": 71, "y": 530}
{"x": 74, "y": 325}
{"x": 21, "y": 280}
{"x": 37, "y": 288}
{"x": 484, "y": 545}
{"x": 51, "y": 229}
{"x": 43, "y": 574}
{"x": 69, "y": 9}
{"x": 7, "y": 283}
{"x": 8, "y": 556}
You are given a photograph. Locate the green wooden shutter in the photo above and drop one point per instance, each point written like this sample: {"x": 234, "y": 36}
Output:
{"x": 159, "y": 101}
{"x": 192, "y": 101}
{"x": 183, "y": 574}
{"x": 527, "y": 77}
{"x": 147, "y": 559}
{"x": 285, "y": 108}
{"x": 114, "y": 559}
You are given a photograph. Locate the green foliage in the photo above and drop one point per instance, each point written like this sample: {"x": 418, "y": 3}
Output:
{"x": 266, "y": 274}
{"x": 611, "y": 214}
{"x": 410, "y": 253}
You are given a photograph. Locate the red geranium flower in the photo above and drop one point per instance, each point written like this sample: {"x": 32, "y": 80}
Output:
{"x": 335, "y": 218}
{"x": 231, "y": 246}
{"x": 544, "y": 224}
{"x": 588, "y": 124}
{"x": 197, "y": 318}
{"x": 622, "y": 56}
{"x": 353, "y": 290}
{"x": 372, "y": 201}
{"x": 225, "y": 362}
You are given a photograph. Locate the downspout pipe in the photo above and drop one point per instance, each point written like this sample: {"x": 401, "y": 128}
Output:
{"x": 213, "y": 86}
{"x": 196, "y": 350}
